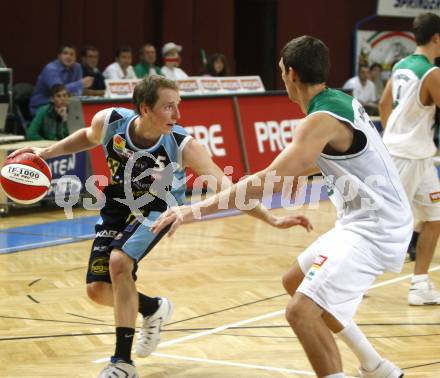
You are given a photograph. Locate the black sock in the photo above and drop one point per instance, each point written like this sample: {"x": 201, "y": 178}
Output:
{"x": 147, "y": 305}
{"x": 124, "y": 341}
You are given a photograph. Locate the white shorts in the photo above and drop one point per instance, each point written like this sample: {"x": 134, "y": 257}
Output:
{"x": 422, "y": 187}
{"x": 339, "y": 268}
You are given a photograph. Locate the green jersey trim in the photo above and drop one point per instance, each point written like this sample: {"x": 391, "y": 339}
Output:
{"x": 419, "y": 64}
{"x": 333, "y": 101}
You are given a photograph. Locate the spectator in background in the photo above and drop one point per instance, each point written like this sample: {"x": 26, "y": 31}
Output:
{"x": 89, "y": 65}
{"x": 171, "y": 59}
{"x": 147, "y": 64}
{"x": 50, "y": 122}
{"x": 376, "y": 78}
{"x": 363, "y": 89}
{"x": 121, "y": 68}
{"x": 63, "y": 70}
{"x": 217, "y": 65}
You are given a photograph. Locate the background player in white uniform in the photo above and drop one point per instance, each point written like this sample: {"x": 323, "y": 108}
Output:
{"x": 374, "y": 218}
{"x": 122, "y": 240}
{"x": 407, "y": 110}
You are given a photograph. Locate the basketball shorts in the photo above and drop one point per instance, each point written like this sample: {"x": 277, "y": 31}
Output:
{"x": 119, "y": 228}
{"x": 339, "y": 268}
{"x": 422, "y": 187}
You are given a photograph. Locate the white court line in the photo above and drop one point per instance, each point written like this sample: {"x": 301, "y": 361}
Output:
{"x": 251, "y": 320}
{"x": 239, "y": 364}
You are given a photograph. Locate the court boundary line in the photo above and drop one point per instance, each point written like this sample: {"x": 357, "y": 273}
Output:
{"x": 246, "y": 321}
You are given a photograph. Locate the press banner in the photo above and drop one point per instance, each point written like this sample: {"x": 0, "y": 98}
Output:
{"x": 407, "y": 8}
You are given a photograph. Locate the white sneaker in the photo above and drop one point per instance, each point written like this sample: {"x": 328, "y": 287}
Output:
{"x": 386, "y": 369}
{"x": 423, "y": 293}
{"x": 149, "y": 334}
{"x": 119, "y": 369}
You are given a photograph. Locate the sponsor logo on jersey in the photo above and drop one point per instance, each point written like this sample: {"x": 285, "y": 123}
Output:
{"x": 119, "y": 144}
{"x": 435, "y": 197}
{"x": 313, "y": 271}
{"x": 100, "y": 248}
{"x": 99, "y": 266}
{"x": 106, "y": 234}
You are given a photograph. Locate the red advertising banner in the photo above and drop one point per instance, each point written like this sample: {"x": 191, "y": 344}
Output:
{"x": 268, "y": 123}
{"x": 212, "y": 122}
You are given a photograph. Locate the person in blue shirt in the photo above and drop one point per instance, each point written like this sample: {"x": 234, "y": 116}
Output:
{"x": 147, "y": 153}
{"x": 63, "y": 70}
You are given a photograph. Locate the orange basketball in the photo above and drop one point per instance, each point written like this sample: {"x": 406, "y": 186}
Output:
{"x": 25, "y": 178}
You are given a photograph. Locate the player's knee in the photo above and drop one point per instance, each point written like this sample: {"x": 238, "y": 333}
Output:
{"x": 296, "y": 313}
{"x": 95, "y": 291}
{"x": 120, "y": 265}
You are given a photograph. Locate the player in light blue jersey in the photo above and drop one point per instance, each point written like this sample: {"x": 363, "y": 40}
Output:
{"x": 147, "y": 153}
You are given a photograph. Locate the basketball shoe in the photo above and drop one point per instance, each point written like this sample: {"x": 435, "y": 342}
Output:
{"x": 118, "y": 369}
{"x": 149, "y": 334}
{"x": 423, "y": 293}
{"x": 386, "y": 369}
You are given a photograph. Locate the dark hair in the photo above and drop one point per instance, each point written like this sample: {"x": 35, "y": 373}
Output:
{"x": 363, "y": 65}
{"x": 210, "y": 65}
{"x": 425, "y": 26}
{"x": 374, "y": 65}
{"x": 65, "y": 46}
{"x": 309, "y": 57}
{"x": 86, "y": 49}
{"x": 122, "y": 49}
{"x": 147, "y": 90}
{"x": 57, "y": 88}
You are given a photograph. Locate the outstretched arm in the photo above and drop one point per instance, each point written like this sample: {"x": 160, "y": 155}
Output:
{"x": 311, "y": 136}
{"x": 197, "y": 158}
{"x": 81, "y": 140}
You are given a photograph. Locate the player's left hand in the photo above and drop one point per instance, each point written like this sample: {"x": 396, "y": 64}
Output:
{"x": 291, "y": 221}
{"x": 174, "y": 216}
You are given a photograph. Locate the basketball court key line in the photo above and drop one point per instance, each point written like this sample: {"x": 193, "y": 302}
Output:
{"x": 229, "y": 363}
{"x": 255, "y": 319}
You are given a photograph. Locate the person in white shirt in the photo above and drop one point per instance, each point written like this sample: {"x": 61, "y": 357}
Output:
{"x": 121, "y": 68}
{"x": 171, "y": 58}
{"x": 407, "y": 111}
{"x": 362, "y": 88}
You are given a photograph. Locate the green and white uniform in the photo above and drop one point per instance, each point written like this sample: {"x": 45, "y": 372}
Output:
{"x": 374, "y": 221}
{"x": 409, "y": 137}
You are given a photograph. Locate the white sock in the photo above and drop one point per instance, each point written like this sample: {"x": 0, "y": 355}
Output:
{"x": 360, "y": 346}
{"x": 416, "y": 278}
{"x": 337, "y": 375}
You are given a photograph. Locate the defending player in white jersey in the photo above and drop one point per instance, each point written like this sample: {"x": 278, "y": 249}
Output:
{"x": 374, "y": 223}
{"x": 407, "y": 110}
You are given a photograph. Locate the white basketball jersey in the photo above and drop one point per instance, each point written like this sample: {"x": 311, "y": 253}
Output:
{"x": 364, "y": 184}
{"x": 409, "y": 131}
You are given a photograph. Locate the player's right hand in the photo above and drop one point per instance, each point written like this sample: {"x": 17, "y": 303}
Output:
{"x": 174, "y": 216}
{"x": 34, "y": 150}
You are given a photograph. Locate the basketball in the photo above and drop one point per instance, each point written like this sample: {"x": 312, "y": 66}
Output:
{"x": 25, "y": 178}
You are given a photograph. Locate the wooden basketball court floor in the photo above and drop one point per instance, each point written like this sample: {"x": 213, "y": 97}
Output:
{"x": 223, "y": 276}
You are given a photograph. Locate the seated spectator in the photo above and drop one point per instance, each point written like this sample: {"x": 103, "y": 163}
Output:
{"x": 50, "y": 122}
{"x": 147, "y": 65}
{"x": 171, "y": 59}
{"x": 89, "y": 64}
{"x": 63, "y": 70}
{"x": 376, "y": 78}
{"x": 122, "y": 68}
{"x": 363, "y": 89}
{"x": 216, "y": 65}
